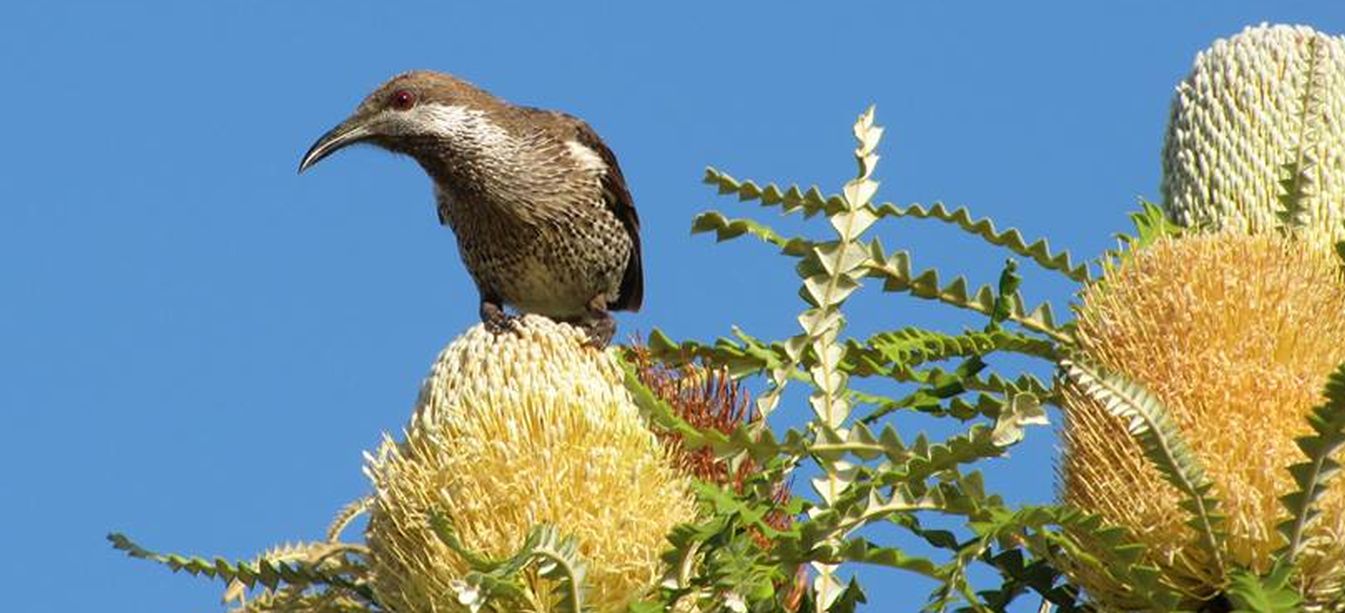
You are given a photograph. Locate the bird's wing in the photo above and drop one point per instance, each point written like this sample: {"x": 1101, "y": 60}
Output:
{"x": 617, "y": 198}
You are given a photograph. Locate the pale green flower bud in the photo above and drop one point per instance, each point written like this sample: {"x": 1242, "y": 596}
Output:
{"x": 1257, "y": 135}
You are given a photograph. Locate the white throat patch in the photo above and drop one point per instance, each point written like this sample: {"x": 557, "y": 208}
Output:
{"x": 457, "y": 124}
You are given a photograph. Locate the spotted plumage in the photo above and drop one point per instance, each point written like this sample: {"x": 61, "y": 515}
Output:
{"x": 541, "y": 211}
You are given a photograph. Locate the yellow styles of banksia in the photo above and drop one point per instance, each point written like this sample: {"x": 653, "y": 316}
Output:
{"x": 512, "y": 431}
{"x": 1256, "y": 137}
{"x": 1235, "y": 335}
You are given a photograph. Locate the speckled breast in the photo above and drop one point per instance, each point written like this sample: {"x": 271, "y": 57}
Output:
{"x": 554, "y": 267}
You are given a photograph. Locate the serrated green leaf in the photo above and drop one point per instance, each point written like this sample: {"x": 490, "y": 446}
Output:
{"x": 1151, "y": 224}
{"x": 792, "y": 199}
{"x": 1151, "y": 425}
{"x": 728, "y": 229}
{"x": 1273, "y": 593}
{"x": 905, "y": 348}
{"x": 299, "y": 567}
{"x": 1328, "y": 424}
{"x": 1038, "y": 251}
{"x": 1023, "y": 410}
{"x": 895, "y": 271}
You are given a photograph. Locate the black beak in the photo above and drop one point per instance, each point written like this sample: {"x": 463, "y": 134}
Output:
{"x": 348, "y": 133}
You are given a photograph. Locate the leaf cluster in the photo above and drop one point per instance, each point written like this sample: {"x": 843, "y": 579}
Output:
{"x": 872, "y": 475}
{"x": 865, "y": 468}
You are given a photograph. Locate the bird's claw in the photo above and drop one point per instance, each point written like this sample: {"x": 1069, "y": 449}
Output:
{"x": 599, "y": 325}
{"x": 496, "y": 320}
{"x": 600, "y": 331}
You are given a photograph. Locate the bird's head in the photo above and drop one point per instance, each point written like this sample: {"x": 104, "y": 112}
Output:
{"x": 422, "y": 114}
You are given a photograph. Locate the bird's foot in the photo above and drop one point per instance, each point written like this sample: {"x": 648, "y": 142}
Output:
{"x": 599, "y": 323}
{"x": 496, "y": 319}
{"x": 600, "y": 329}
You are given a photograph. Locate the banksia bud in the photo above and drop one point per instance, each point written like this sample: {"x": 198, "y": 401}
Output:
{"x": 514, "y": 430}
{"x": 1256, "y": 137}
{"x": 1235, "y": 335}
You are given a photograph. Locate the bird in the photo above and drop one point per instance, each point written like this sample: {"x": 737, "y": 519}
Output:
{"x": 543, "y": 217}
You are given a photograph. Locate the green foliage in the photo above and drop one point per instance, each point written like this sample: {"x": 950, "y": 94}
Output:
{"x": 1294, "y": 188}
{"x": 916, "y": 346}
{"x": 897, "y": 275}
{"x": 1149, "y": 422}
{"x": 327, "y": 572}
{"x": 501, "y": 585}
{"x": 1298, "y": 173}
{"x": 720, "y": 558}
{"x": 894, "y": 269}
{"x": 867, "y": 473}
{"x": 812, "y": 202}
{"x": 1272, "y": 593}
{"x": 1151, "y": 225}
{"x": 1328, "y": 424}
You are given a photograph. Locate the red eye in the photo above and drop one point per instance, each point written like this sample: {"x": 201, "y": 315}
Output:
{"x": 403, "y": 99}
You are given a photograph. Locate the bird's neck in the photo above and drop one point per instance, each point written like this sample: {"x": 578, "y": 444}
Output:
{"x": 480, "y": 162}
{"x": 482, "y": 181}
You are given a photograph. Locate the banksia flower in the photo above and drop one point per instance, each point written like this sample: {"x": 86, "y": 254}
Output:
{"x": 706, "y": 399}
{"x": 710, "y": 399}
{"x": 1256, "y": 137}
{"x": 511, "y": 431}
{"x": 1235, "y": 335}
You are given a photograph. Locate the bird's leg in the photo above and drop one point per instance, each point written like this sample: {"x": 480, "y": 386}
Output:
{"x": 599, "y": 323}
{"x": 493, "y": 315}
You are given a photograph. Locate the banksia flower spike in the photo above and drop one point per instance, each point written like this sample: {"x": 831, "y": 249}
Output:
{"x": 705, "y": 398}
{"x": 512, "y": 431}
{"x": 1235, "y": 335}
{"x": 710, "y": 399}
{"x": 1256, "y": 137}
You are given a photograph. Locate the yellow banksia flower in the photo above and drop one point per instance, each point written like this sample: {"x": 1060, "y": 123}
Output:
{"x": 514, "y": 430}
{"x": 1261, "y": 118}
{"x": 1236, "y": 335}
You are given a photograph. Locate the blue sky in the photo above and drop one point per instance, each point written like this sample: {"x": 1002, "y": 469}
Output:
{"x": 196, "y": 344}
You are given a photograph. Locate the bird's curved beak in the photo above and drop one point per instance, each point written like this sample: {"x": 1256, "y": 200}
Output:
{"x": 349, "y": 132}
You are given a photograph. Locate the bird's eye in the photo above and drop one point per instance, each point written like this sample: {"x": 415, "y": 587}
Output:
{"x": 403, "y": 100}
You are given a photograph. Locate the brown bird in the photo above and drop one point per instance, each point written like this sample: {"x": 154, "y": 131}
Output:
{"x": 542, "y": 215}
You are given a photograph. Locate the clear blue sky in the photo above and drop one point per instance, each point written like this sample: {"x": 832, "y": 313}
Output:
{"x": 196, "y": 344}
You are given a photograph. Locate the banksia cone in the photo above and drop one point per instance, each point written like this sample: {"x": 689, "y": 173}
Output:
{"x": 1256, "y": 136}
{"x": 513, "y": 430}
{"x": 1235, "y": 335}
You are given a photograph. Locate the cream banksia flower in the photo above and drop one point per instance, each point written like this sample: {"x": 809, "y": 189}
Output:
{"x": 1235, "y": 335}
{"x": 1257, "y": 129}
{"x": 511, "y": 431}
